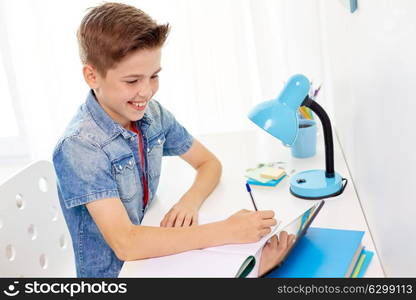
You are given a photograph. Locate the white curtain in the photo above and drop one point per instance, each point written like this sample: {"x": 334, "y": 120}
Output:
{"x": 221, "y": 58}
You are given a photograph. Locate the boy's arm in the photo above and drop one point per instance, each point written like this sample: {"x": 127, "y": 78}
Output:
{"x": 208, "y": 167}
{"x": 131, "y": 242}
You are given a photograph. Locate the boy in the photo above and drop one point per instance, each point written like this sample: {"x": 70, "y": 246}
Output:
{"x": 109, "y": 158}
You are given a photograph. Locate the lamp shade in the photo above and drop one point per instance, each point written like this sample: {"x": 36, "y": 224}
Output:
{"x": 278, "y": 117}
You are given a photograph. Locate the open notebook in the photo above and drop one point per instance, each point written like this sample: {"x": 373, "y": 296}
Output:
{"x": 234, "y": 260}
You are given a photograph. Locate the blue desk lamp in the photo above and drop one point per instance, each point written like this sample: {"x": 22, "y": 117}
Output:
{"x": 279, "y": 117}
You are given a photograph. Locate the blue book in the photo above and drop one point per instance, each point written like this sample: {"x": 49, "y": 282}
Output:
{"x": 324, "y": 252}
{"x": 270, "y": 183}
{"x": 362, "y": 263}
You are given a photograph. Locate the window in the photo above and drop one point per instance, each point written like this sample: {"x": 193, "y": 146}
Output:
{"x": 8, "y": 124}
{"x": 12, "y": 142}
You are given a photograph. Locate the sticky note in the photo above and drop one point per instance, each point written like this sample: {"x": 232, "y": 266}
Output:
{"x": 255, "y": 174}
{"x": 272, "y": 173}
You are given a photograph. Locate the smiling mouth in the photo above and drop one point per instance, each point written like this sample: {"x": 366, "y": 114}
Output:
{"x": 138, "y": 106}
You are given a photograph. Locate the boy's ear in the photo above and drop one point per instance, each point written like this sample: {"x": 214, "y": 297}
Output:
{"x": 90, "y": 76}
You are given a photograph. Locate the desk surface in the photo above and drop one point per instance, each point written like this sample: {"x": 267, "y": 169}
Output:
{"x": 239, "y": 151}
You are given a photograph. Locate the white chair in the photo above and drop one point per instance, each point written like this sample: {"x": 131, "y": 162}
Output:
{"x": 34, "y": 239}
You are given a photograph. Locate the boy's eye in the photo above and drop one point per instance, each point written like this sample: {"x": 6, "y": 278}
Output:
{"x": 155, "y": 76}
{"x": 131, "y": 82}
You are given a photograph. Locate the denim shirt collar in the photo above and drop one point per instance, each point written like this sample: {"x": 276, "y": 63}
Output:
{"x": 106, "y": 123}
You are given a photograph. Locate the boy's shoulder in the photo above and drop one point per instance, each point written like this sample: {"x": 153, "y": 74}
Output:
{"x": 91, "y": 128}
{"x": 82, "y": 127}
{"x": 161, "y": 117}
{"x": 155, "y": 110}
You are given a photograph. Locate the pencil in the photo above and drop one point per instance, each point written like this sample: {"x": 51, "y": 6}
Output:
{"x": 304, "y": 113}
{"x": 309, "y": 111}
{"x": 316, "y": 92}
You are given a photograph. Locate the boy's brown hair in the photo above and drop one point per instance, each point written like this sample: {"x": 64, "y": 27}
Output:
{"x": 110, "y": 31}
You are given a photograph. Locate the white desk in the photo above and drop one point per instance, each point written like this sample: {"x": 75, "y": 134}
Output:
{"x": 239, "y": 151}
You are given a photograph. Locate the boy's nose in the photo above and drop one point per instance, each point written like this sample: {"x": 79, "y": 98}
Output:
{"x": 145, "y": 91}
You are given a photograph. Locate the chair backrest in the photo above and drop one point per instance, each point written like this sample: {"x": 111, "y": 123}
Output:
{"x": 34, "y": 238}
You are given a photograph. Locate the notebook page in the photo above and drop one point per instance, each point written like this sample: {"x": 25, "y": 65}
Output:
{"x": 195, "y": 263}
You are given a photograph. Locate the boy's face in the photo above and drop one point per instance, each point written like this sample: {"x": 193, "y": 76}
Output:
{"x": 128, "y": 87}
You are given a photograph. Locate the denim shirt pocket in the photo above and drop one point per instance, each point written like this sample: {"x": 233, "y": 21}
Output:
{"x": 126, "y": 177}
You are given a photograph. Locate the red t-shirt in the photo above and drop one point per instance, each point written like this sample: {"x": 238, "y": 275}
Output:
{"x": 145, "y": 189}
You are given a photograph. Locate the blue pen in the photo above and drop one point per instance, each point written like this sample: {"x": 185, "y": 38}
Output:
{"x": 251, "y": 196}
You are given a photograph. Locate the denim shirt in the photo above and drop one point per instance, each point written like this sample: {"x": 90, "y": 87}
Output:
{"x": 97, "y": 158}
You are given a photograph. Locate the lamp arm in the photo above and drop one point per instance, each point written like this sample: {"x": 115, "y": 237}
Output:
{"x": 326, "y": 125}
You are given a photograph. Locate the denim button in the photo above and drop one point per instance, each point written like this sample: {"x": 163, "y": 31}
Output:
{"x": 159, "y": 141}
{"x": 132, "y": 138}
{"x": 120, "y": 167}
{"x": 130, "y": 162}
{"x": 148, "y": 149}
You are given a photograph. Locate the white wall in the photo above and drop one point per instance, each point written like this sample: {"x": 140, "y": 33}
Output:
{"x": 288, "y": 41}
{"x": 372, "y": 66}
{"x": 287, "y": 38}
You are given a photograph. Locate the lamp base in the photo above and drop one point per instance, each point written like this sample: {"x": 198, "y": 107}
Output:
{"x": 313, "y": 184}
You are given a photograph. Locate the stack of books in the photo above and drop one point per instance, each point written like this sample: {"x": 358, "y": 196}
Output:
{"x": 325, "y": 252}
{"x": 265, "y": 176}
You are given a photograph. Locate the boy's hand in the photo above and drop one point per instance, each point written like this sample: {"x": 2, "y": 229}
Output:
{"x": 274, "y": 251}
{"x": 182, "y": 214}
{"x": 248, "y": 226}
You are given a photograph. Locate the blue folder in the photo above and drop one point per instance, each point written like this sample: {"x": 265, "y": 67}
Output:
{"x": 323, "y": 252}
